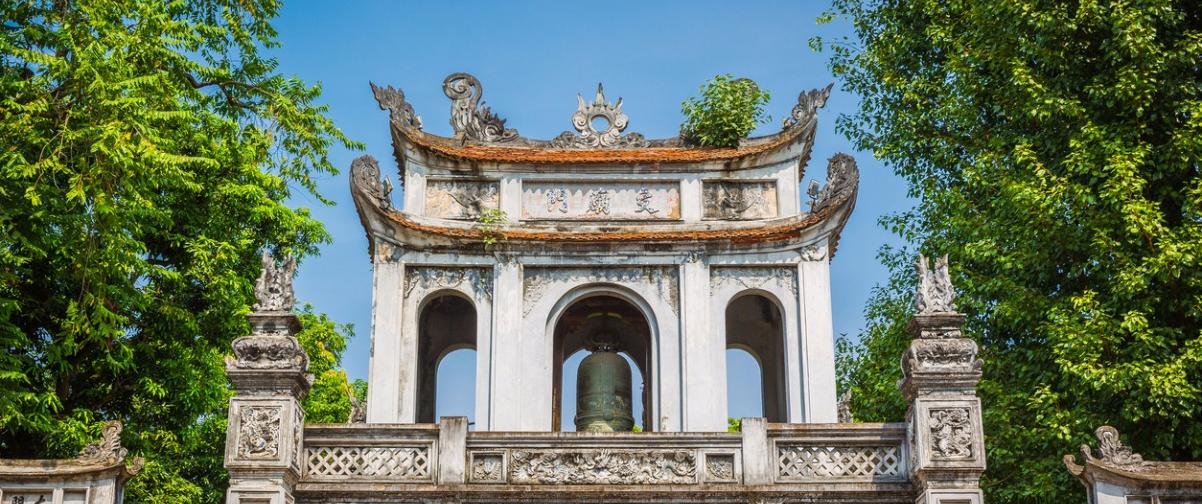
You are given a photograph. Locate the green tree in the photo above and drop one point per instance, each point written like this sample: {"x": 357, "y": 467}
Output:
{"x": 726, "y": 112}
{"x": 1054, "y": 149}
{"x": 146, "y": 152}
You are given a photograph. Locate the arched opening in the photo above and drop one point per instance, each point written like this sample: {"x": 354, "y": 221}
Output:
{"x": 447, "y": 323}
{"x": 754, "y": 325}
{"x": 455, "y": 393}
{"x": 580, "y": 322}
{"x": 744, "y": 384}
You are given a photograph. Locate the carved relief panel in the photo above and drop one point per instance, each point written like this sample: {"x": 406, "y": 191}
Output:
{"x": 600, "y": 201}
{"x": 460, "y": 199}
{"x": 739, "y": 200}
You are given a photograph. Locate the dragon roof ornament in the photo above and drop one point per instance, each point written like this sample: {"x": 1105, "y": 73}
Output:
{"x": 470, "y": 117}
{"x": 591, "y": 138}
{"x": 393, "y": 100}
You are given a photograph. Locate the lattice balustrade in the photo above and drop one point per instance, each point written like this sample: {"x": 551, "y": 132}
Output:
{"x": 806, "y": 462}
{"x": 386, "y": 463}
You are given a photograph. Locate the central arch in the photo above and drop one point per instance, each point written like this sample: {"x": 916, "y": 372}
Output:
{"x": 585, "y": 311}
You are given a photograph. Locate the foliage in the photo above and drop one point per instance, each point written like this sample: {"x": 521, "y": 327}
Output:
{"x": 734, "y": 424}
{"x": 727, "y": 111}
{"x": 1055, "y": 150}
{"x": 489, "y": 222}
{"x": 146, "y": 152}
{"x": 329, "y": 401}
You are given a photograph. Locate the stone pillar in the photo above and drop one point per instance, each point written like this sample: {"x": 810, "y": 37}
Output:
{"x": 758, "y": 460}
{"x": 392, "y": 396}
{"x": 452, "y": 450}
{"x": 704, "y": 351}
{"x": 940, "y": 375}
{"x": 268, "y": 371}
{"x": 506, "y": 402}
{"x": 818, "y": 336}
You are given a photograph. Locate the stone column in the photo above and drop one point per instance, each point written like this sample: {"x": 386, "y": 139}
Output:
{"x": 704, "y": 351}
{"x": 818, "y": 337}
{"x": 268, "y": 371}
{"x": 392, "y": 397}
{"x": 940, "y": 375}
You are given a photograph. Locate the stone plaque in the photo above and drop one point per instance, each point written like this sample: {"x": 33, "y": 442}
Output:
{"x": 736, "y": 200}
{"x": 600, "y": 201}
{"x": 460, "y": 199}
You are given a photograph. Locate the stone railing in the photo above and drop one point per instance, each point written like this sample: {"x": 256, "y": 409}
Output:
{"x": 766, "y": 456}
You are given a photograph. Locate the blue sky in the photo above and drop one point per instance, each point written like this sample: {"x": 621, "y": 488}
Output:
{"x": 533, "y": 58}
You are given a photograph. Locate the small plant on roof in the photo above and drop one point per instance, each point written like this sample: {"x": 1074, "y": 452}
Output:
{"x": 489, "y": 222}
{"x": 726, "y": 112}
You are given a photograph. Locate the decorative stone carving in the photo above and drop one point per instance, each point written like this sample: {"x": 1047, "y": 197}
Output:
{"x": 358, "y": 410}
{"x": 460, "y": 199}
{"x": 815, "y": 252}
{"x": 754, "y": 277}
{"x": 259, "y": 432}
{"x": 719, "y": 467}
{"x": 935, "y": 292}
{"x": 951, "y": 433}
{"x": 739, "y": 200}
{"x": 432, "y": 278}
{"x": 269, "y": 350}
{"x": 593, "y": 200}
{"x": 589, "y": 137}
{"x": 387, "y": 463}
{"x": 108, "y": 451}
{"x": 471, "y": 119}
{"x": 808, "y": 103}
{"x": 393, "y": 100}
{"x": 538, "y": 280}
{"x": 366, "y": 179}
{"x": 273, "y": 289}
{"x": 944, "y": 353}
{"x": 842, "y": 177}
{"x": 604, "y": 467}
{"x": 488, "y": 467}
{"x": 1112, "y": 451}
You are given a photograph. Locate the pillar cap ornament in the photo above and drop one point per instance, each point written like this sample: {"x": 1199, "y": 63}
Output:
{"x": 271, "y": 358}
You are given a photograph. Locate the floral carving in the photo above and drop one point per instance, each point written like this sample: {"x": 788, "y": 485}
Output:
{"x": 755, "y": 277}
{"x": 269, "y": 350}
{"x": 719, "y": 467}
{"x": 589, "y": 137}
{"x": 951, "y": 433}
{"x": 537, "y": 280}
{"x": 471, "y": 118}
{"x": 935, "y": 293}
{"x": 259, "y": 432}
{"x": 945, "y": 353}
{"x": 393, "y": 100}
{"x": 273, "y": 289}
{"x": 433, "y": 278}
{"x": 487, "y": 467}
{"x": 610, "y": 467}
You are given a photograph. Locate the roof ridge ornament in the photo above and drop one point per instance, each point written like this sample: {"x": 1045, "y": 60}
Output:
{"x": 589, "y": 137}
{"x": 1111, "y": 451}
{"x": 471, "y": 118}
{"x": 808, "y": 103}
{"x": 393, "y": 100}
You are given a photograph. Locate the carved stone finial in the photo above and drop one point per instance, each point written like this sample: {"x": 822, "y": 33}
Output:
{"x": 108, "y": 450}
{"x": 366, "y": 179}
{"x": 935, "y": 293}
{"x": 808, "y": 103}
{"x": 589, "y": 136}
{"x": 1112, "y": 451}
{"x": 358, "y": 410}
{"x": 471, "y": 119}
{"x": 393, "y": 100}
{"x": 842, "y": 176}
{"x": 844, "y": 406}
{"x": 273, "y": 289}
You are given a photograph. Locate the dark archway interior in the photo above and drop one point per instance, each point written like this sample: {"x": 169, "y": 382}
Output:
{"x": 603, "y": 313}
{"x": 753, "y": 324}
{"x": 447, "y": 323}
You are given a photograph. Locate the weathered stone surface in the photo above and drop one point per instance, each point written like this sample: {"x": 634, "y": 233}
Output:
{"x": 600, "y": 200}
{"x": 1116, "y": 474}
{"x": 96, "y": 476}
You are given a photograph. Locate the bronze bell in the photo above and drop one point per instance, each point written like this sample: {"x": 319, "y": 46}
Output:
{"x": 603, "y": 391}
